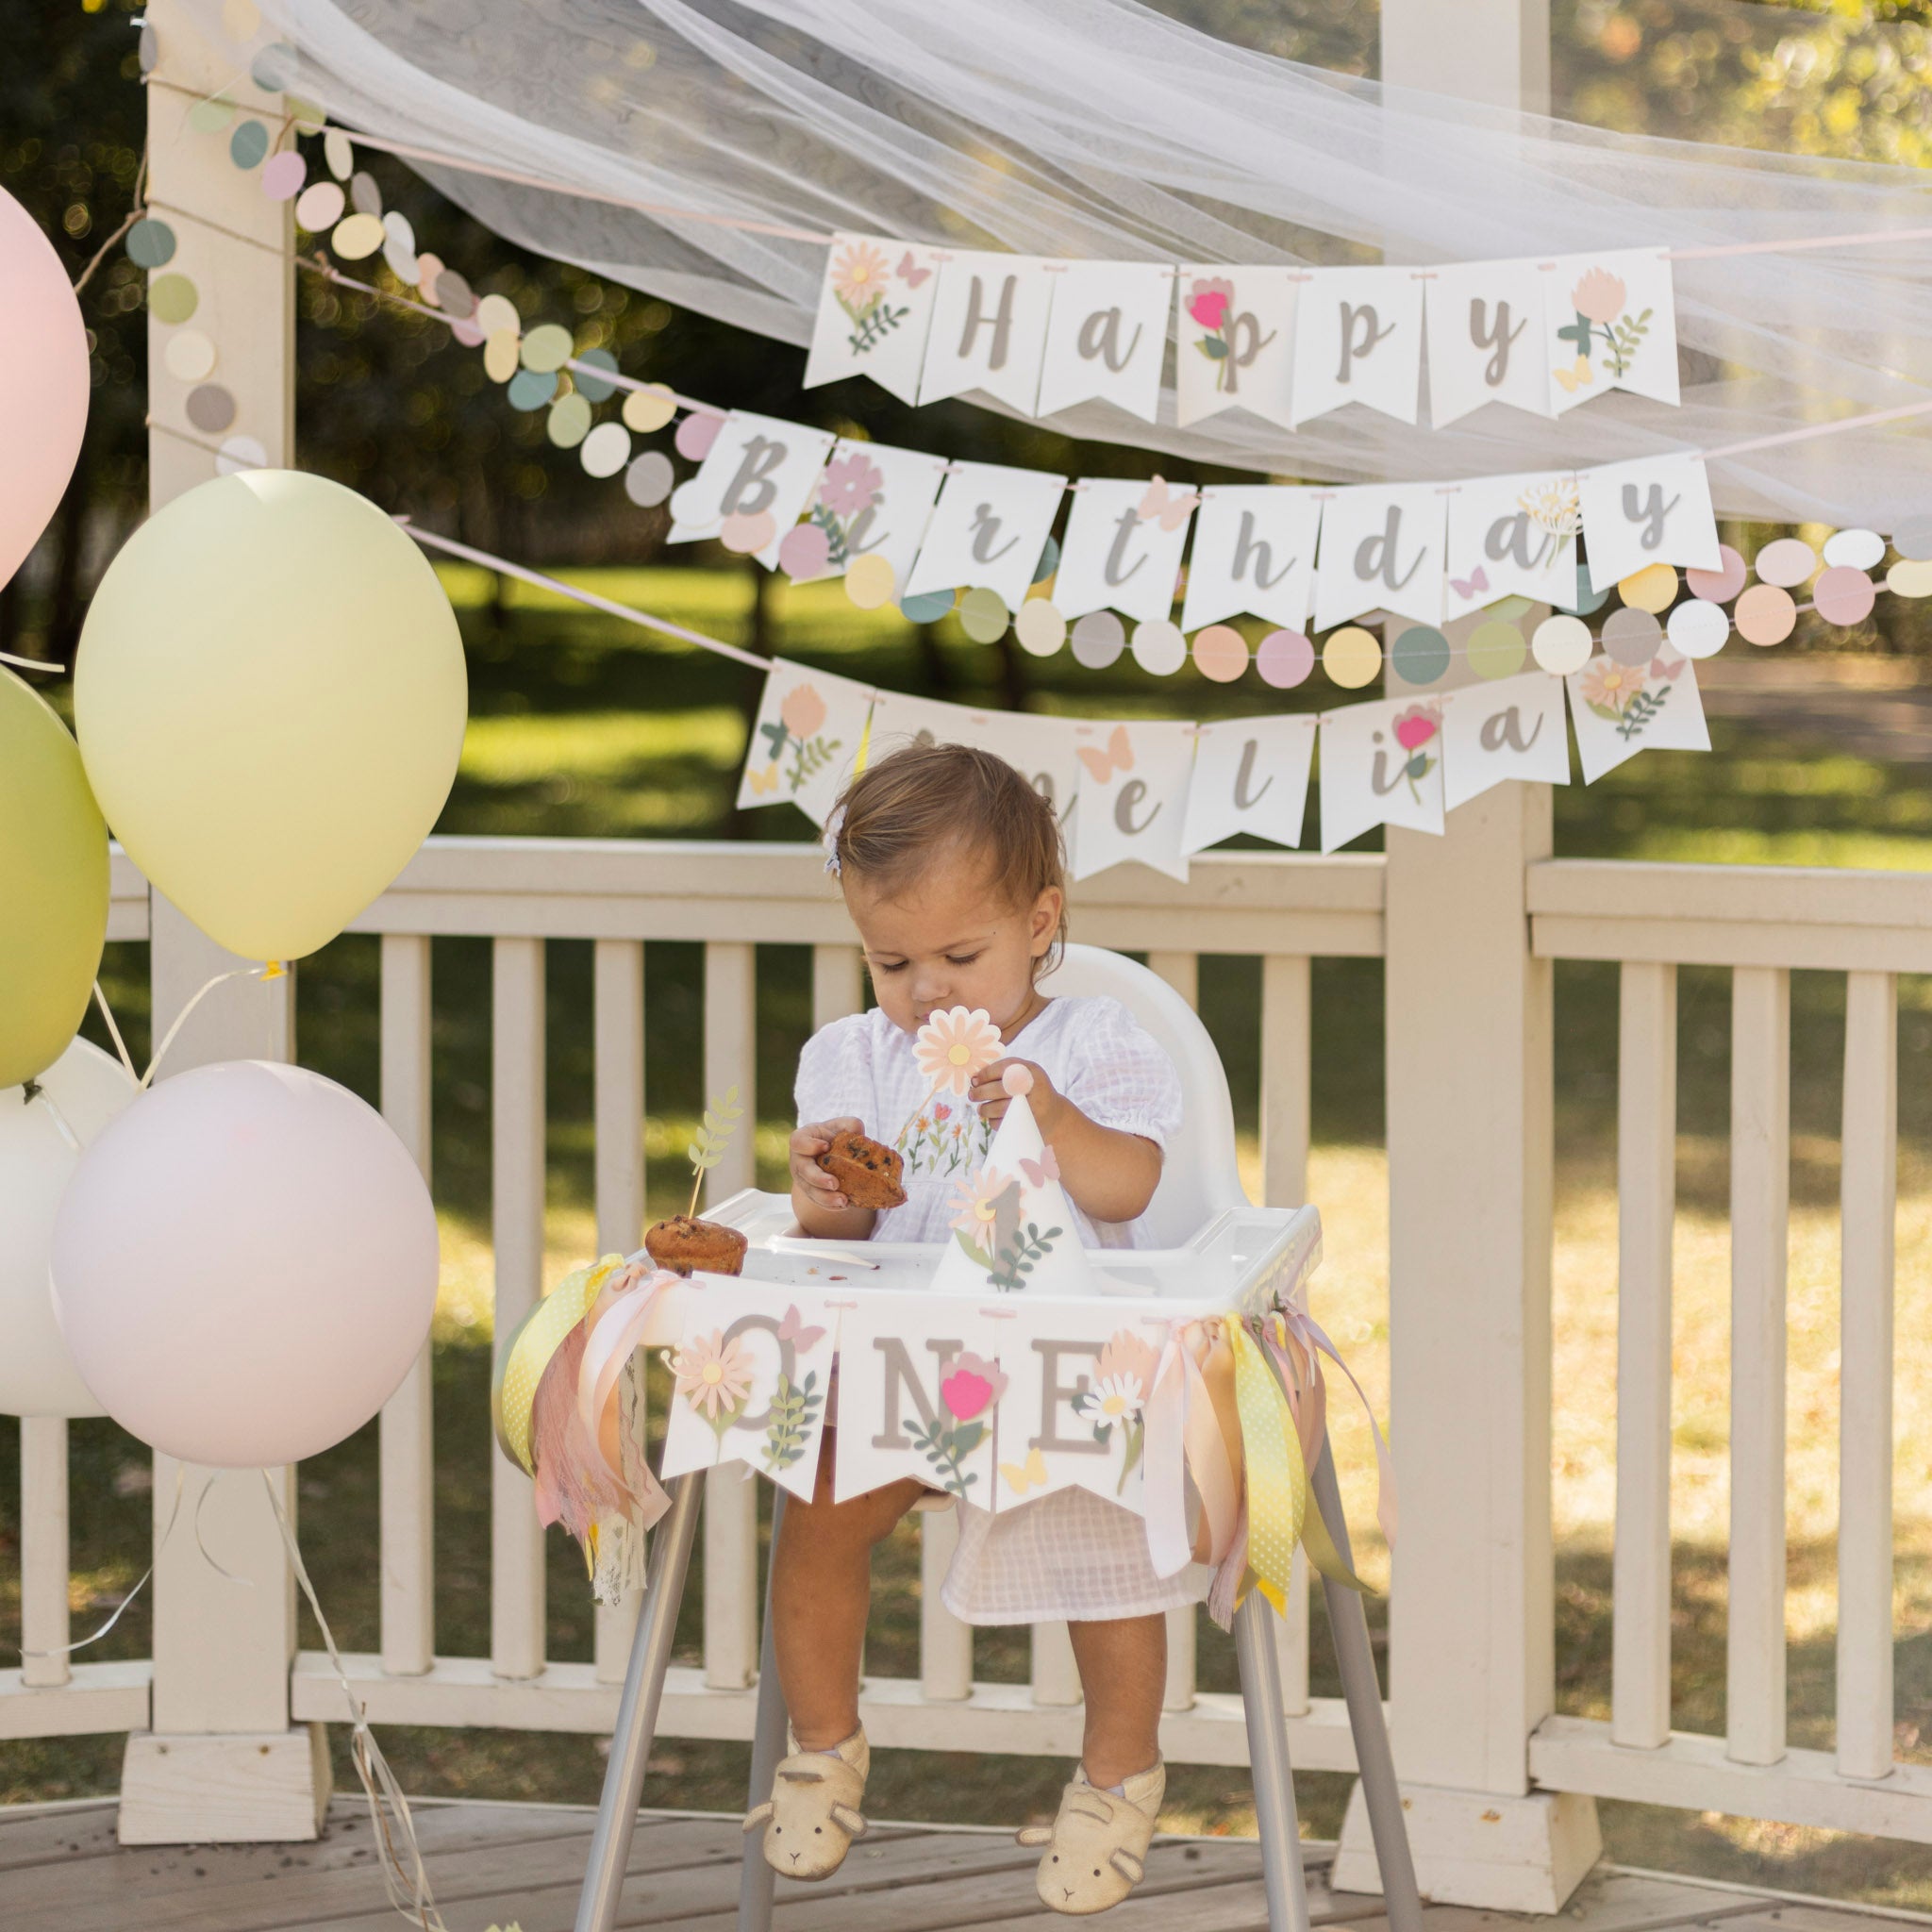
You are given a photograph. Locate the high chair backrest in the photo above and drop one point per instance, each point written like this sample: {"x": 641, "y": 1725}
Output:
{"x": 1201, "y": 1176}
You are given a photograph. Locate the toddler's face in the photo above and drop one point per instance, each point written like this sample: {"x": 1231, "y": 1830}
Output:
{"x": 952, "y": 940}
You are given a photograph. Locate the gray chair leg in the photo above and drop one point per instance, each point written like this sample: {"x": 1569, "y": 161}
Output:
{"x": 636, "y": 1709}
{"x": 767, "y": 1748}
{"x": 1275, "y": 1813}
{"x": 1349, "y": 1623}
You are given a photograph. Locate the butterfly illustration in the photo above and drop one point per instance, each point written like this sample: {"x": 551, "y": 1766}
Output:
{"x": 1470, "y": 586}
{"x": 793, "y": 1330}
{"x": 910, "y": 271}
{"x": 1162, "y": 503}
{"x": 1581, "y": 376}
{"x": 1046, "y": 1168}
{"x": 762, "y": 781}
{"x": 1117, "y": 755}
{"x": 1032, "y": 1476}
{"x": 1669, "y": 669}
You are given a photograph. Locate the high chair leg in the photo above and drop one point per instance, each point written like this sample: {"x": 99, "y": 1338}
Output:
{"x": 1274, "y": 1778}
{"x": 767, "y": 1747}
{"x": 636, "y": 1709}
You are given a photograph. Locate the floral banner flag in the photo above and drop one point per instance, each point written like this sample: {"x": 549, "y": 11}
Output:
{"x": 1621, "y": 709}
{"x": 920, "y": 1388}
{"x": 1381, "y": 765}
{"x": 1235, "y": 342}
{"x": 749, "y": 1381}
{"x": 1250, "y": 775}
{"x": 1610, "y": 322}
{"x": 1507, "y": 727}
{"x": 1653, "y": 509}
{"x": 988, "y": 328}
{"x": 988, "y": 530}
{"x": 875, "y": 309}
{"x": 1484, "y": 325}
{"x": 1253, "y": 551}
{"x": 1133, "y": 801}
{"x": 752, "y": 486}
{"x": 870, "y": 500}
{"x": 805, "y": 738}
{"x": 1358, "y": 338}
{"x": 1382, "y": 548}
{"x": 1512, "y": 536}
{"x": 1123, "y": 547}
{"x": 1106, "y": 336}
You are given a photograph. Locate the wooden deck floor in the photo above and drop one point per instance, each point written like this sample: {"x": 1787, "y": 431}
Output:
{"x": 60, "y": 1871}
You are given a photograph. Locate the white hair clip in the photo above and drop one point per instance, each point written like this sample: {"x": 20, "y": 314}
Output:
{"x": 829, "y": 839}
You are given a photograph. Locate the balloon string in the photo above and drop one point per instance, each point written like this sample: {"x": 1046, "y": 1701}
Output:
{"x": 221, "y": 1570}
{"x": 271, "y": 971}
{"x": 36, "y": 1091}
{"x": 114, "y": 1033}
{"x": 119, "y": 1608}
{"x": 407, "y": 1884}
{"x": 29, "y": 663}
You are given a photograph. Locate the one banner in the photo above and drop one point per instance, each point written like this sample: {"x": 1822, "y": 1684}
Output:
{"x": 870, "y": 500}
{"x": 1655, "y": 509}
{"x": 760, "y": 472}
{"x": 1123, "y": 547}
{"x": 1107, "y": 336}
{"x": 988, "y": 328}
{"x": 1041, "y": 748}
{"x": 1381, "y": 765}
{"x": 1511, "y": 536}
{"x": 1610, "y": 322}
{"x": 875, "y": 308}
{"x": 1507, "y": 727}
{"x": 1621, "y": 709}
{"x": 805, "y": 738}
{"x": 1253, "y": 551}
{"x": 749, "y": 1381}
{"x": 1250, "y": 775}
{"x": 1358, "y": 338}
{"x": 988, "y": 529}
{"x": 1485, "y": 327}
{"x": 1133, "y": 795}
{"x": 1235, "y": 342}
{"x": 1382, "y": 547}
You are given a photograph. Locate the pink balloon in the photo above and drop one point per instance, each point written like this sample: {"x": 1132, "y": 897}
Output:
{"x": 43, "y": 383}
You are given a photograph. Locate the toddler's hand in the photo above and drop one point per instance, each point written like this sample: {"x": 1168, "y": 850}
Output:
{"x": 989, "y": 1094}
{"x": 807, "y": 1144}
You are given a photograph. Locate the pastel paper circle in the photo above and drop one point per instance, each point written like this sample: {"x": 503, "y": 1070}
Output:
{"x": 1586, "y": 600}
{"x": 365, "y": 197}
{"x": 648, "y": 480}
{"x": 308, "y": 116}
{"x": 1912, "y": 540}
{"x": 593, "y": 387}
{"x": 684, "y": 502}
{"x": 189, "y": 356}
{"x": 1039, "y": 627}
{"x": 1844, "y": 595}
{"x": 1649, "y": 589}
{"x": 1861, "y": 549}
{"x": 274, "y": 67}
{"x": 1350, "y": 657}
{"x": 1098, "y": 639}
{"x": 529, "y": 390}
{"x": 1496, "y": 649}
{"x": 337, "y": 152}
{"x": 248, "y": 145}
{"x": 1912, "y": 578}
{"x": 697, "y": 433}
{"x": 282, "y": 178}
{"x": 399, "y": 248}
{"x": 1284, "y": 659}
{"x": 497, "y": 315}
{"x": 320, "y": 205}
{"x": 649, "y": 408}
{"x": 1765, "y": 614}
{"x": 149, "y": 47}
{"x": 500, "y": 355}
{"x": 453, "y": 296}
{"x": 744, "y": 531}
{"x": 606, "y": 450}
{"x": 239, "y": 453}
{"x": 1719, "y": 586}
{"x": 546, "y": 347}
{"x": 211, "y": 115}
{"x": 399, "y": 229}
{"x": 1161, "y": 646}
{"x": 930, "y": 605}
{"x": 1419, "y": 655}
{"x": 570, "y": 423}
{"x": 1562, "y": 645}
{"x": 983, "y": 615}
{"x": 1631, "y": 636}
{"x": 803, "y": 551}
{"x": 150, "y": 243}
{"x": 1787, "y": 563}
{"x": 210, "y": 408}
{"x": 1049, "y": 560}
{"x": 429, "y": 267}
{"x": 1508, "y": 609}
{"x": 871, "y": 580}
{"x": 173, "y": 298}
{"x": 1699, "y": 628}
{"x": 466, "y": 332}
{"x": 357, "y": 236}
{"x": 1221, "y": 653}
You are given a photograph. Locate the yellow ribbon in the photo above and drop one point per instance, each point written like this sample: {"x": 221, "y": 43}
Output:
{"x": 538, "y": 1338}
{"x": 1278, "y": 1476}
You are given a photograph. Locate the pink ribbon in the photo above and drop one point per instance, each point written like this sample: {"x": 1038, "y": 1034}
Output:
{"x": 1207, "y": 1463}
{"x": 1308, "y": 1332}
{"x": 1163, "y": 1462}
{"x": 614, "y": 1334}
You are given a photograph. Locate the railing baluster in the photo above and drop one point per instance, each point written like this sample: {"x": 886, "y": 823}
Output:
{"x": 618, "y": 1035}
{"x": 1055, "y": 1676}
{"x": 1760, "y": 1196}
{"x": 1182, "y": 970}
{"x": 1285, "y": 1034}
{"x": 408, "y": 1466}
{"x": 517, "y": 1123}
{"x": 946, "y": 1644}
{"x": 1646, "y": 1213}
{"x": 838, "y": 984}
{"x": 1868, "y": 1206}
{"x": 43, "y": 1555}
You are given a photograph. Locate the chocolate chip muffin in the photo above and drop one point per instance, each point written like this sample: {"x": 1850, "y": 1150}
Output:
{"x": 867, "y": 1171}
{"x": 682, "y": 1244}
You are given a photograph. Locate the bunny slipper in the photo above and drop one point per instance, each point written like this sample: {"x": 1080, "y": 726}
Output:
{"x": 812, "y": 1815}
{"x": 1097, "y": 1846}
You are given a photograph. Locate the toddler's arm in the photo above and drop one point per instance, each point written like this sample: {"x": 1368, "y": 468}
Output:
{"x": 823, "y": 1211}
{"x": 1108, "y": 1174}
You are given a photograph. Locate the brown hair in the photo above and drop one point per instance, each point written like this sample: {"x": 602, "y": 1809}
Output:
{"x": 913, "y": 802}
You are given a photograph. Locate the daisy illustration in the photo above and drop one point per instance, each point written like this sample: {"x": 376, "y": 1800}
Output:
{"x": 976, "y": 1201}
{"x": 713, "y": 1375}
{"x": 953, "y": 1049}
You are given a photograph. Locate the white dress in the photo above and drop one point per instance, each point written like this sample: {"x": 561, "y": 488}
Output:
{"x": 1073, "y": 1553}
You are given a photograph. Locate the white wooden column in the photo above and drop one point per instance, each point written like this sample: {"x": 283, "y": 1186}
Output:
{"x": 222, "y": 1761}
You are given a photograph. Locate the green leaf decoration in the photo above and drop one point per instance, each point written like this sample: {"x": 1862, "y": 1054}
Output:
{"x": 714, "y": 1134}
{"x": 1212, "y": 347}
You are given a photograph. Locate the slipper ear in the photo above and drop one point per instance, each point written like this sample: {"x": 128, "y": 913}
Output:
{"x": 1034, "y": 1835}
{"x": 757, "y": 1815}
{"x": 849, "y": 1821}
{"x": 1129, "y": 1867}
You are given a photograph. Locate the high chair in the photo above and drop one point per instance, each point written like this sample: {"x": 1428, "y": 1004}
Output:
{"x": 1200, "y": 1179}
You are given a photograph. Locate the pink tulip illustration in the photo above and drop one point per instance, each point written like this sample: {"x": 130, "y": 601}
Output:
{"x": 969, "y": 1387}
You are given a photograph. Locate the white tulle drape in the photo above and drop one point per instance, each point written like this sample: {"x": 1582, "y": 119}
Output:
{"x": 1100, "y": 128}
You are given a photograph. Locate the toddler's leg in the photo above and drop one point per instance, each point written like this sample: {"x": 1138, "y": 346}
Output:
{"x": 821, "y": 1590}
{"x": 1123, "y": 1674}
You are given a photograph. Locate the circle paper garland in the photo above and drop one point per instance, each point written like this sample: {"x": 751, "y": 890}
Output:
{"x": 150, "y": 243}
{"x": 248, "y": 145}
{"x": 189, "y": 355}
{"x": 649, "y": 480}
{"x": 1860, "y": 549}
{"x": 500, "y": 361}
{"x": 1561, "y": 645}
{"x": 173, "y": 298}
{"x": 1631, "y": 636}
{"x": 1284, "y": 658}
{"x": 1419, "y": 655}
{"x": 1221, "y": 653}
{"x": 357, "y": 236}
{"x": 1699, "y": 628}
{"x": 869, "y": 580}
{"x": 1719, "y": 586}
{"x": 320, "y": 205}
{"x": 805, "y": 551}
{"x": 930, "y": 605}
{"x": 1160, "y": 646}
{"x": 744, "y": 531}
{"x": 1098, "y": 639}
{"x": 983, "y": 615}
{"x": 210, "y": 408}
{"x": 1844, "y": 595}
{"x": 1910, "y": 578}
{"x": 1350, "y": 657}
{"x": 283, "y": 175}
{"x": 1765, "y": 614}
{"x": 649, "y": 408}
{"x": 696, "y": 434}
{"x": 528, "y": 390}
{"x": 1651, "y": 589}
{"x": 1785, "y": 563}
{"x": 1039, "y": 627}
{"x": 570, "y": 423}
{"x": 1496, "y": 649}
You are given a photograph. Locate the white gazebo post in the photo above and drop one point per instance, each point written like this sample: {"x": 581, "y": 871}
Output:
{"x": 223, "y": 1762}
{"x": 1469, "y": 1179}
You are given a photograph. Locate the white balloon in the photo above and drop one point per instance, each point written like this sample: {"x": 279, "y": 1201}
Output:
{"x": 244, "y": 1265}
{"x": 37, "y": 1160}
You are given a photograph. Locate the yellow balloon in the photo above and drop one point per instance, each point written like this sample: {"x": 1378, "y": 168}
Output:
{"x": 53, "y": 886}
{"x": 269, "y": 698}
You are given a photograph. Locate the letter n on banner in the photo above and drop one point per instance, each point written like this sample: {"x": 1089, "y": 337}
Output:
{"x": 1381, "y": 765}
{"x": 1510, "y": 728}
